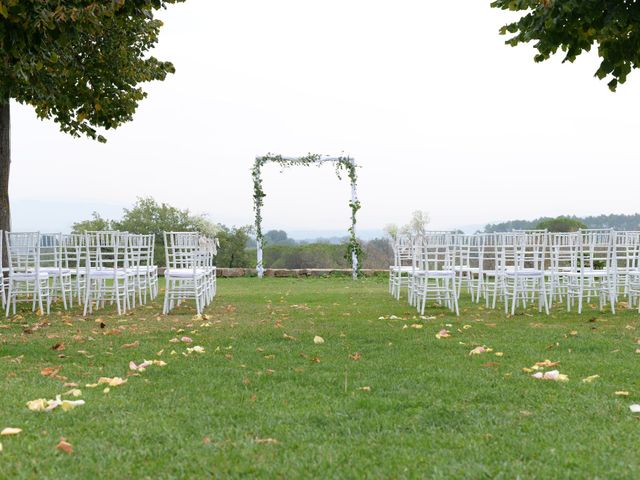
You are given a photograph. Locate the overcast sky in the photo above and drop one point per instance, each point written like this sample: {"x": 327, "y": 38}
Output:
{"x": 437, "y": 111}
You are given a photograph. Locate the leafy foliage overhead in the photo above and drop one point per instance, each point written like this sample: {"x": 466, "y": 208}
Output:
{"x": 577, "y": 26}
{"x": 79, "y": 62}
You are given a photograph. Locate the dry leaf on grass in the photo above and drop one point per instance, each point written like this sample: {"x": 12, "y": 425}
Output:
{"x": 135, "y": 344}
{"x": 356, "y": 356}
{"x": 288, "y": 337}
{"x": 112, "y": 382}
{"x": 43, "y": 405}
{"x": 266, "y": 441}
{"x": 50, "y": 371}
{"x": 58, "y": 346}
{"x": 196, "y": 349}
{"x": 318, "y": 340}
{"x": 622, "y": 393}
{"x": 186, "y": 340}
{"x": 590, "y": 378}
{"x": 444, "y": 333}
{"x": 10, "y": 431}
{"x": 64, "y": 446}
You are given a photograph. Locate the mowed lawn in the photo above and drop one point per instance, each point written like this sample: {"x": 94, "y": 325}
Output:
{"x": 380, "y": 398}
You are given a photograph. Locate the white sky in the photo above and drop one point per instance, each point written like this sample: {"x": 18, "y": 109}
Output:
{"x": 439, "y": 113}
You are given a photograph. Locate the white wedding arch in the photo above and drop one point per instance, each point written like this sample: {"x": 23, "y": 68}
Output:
{"x": 346, "y": 164}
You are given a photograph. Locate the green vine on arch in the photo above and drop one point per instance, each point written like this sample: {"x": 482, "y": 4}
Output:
{"x": 342, "y": 165}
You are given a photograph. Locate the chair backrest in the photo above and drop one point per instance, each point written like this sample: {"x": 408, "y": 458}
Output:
{"x": 74, "y": 250}
{"x": 181, "y": 249}
{"x": 51, "y": 250}
{"x": 23, "y": 252}
{"x": 140, "y": 250}
{"x": 402, "y": 250}
{"x": 433, "y": 252}
{"x": 595, "y": 250}
{"x": 106, "y": 250}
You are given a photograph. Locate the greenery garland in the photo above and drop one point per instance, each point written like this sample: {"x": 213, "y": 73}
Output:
{"x": 345, "y": 164}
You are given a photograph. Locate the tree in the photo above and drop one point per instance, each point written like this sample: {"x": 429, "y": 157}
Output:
{"x": 418, "y": 223}
{"x": 233, "y": 252}
{"x": 96, "y": 223}
{"x": 278, "y": 237}
{"x": 575, "y": 26}
{"x": 78, "y": 63}
{"x": 561, "y": 224}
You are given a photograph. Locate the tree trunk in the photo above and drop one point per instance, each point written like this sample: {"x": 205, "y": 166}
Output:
{"x": 5, "y": 163}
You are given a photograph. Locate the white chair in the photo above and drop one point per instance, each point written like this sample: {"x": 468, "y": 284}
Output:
{"x": 432, "y": 275}
{"x": 52, "y": 262}
{"x": 524, "y": 280}
{"x": 26, "y": 282}
{"x": 109, "y": 277}
{"x": 466, "y": 257}
{"x": 593, "y": 269}
{"x": 185, "y": 273}
{"x": 140, "y": 250}
{"x": 400, "y": 270}
{"x": 74, "y": 251}
{"x": 3, "y": 271}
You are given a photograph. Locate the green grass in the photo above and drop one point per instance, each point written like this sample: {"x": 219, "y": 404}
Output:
{"x": 433, "y": 411}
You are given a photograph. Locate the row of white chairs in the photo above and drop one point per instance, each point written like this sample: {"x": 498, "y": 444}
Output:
{"x": 190, "y": 272}
{"x": 519, "y": 268}
{"x": 94, "y": 268}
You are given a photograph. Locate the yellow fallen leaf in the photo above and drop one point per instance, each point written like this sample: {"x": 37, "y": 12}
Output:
{"x": 74, "y": 392}
{"x": 466, "y": 327}
{"x": 112, "y": 382}
{"x": 417, "y": 325}
{"x": 10, "y": 431}
{"x": 318, "y": 340}
{"x": 590, "y": 378}
{"x": 499, "y": 354}
{"x": 622, "y": 393}
{"x": 38, "y": 405}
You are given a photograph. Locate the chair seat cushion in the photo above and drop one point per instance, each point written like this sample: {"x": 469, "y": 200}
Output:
{"x": 434, "y": 273}
{"x": 185, "y": 272}
{"x": 401, "y": 268}
{"x": 25, "y": 276}
{"x": 109, "y": 273}
{"x": 56, "y": 271}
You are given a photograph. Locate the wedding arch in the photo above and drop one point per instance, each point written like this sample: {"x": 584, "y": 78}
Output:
{"x": 345, "y": 164}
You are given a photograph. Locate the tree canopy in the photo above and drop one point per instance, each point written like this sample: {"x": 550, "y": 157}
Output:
{"x": 561, "y": 224}
{"x": 577, "y": 26}
{"x": 79, "y": 62}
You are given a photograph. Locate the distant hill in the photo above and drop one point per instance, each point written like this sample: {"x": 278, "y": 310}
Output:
{"x": 618, "y": 222}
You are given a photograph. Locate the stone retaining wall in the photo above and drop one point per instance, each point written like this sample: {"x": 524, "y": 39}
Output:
{"x": 291, "y": 273}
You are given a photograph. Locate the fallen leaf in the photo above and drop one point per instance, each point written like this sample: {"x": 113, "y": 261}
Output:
{"x": 417, "y": 326}
{"x": 365, "y": 389}
{"x": 50, "y": 371}
{"x": 64, "y": 446}
{"x": 266, "y": 441}
{"x": 112, "y": 382}
{"x": 490, "y": 364}
{"x": 58, "y": 346}
{"x": 75, "y": 392}
{"x": 356, "y": 356}
{"x": 186, "y": 340}
{"x": 477, "y": 351}
{"x": 318, "y": 340}
{"x": 10, "y": 431}
{"x": 590, "y": 378}
{"x": 621, "y": 393}
{"x": 444, "y": 333}
{"x": 499, "y": 354}
{"x": 288, "y": 337}
{"x": 547, "y": 363}
{"x": 635, "y": 408}
{"x": 135, "y": 344}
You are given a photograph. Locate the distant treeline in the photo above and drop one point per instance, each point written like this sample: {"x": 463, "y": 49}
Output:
{"x": 377, "y": 254}
{"x": 617, "y": 222}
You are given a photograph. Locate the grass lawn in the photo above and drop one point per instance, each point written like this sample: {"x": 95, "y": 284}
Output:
{"x": 380, "y": 398}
